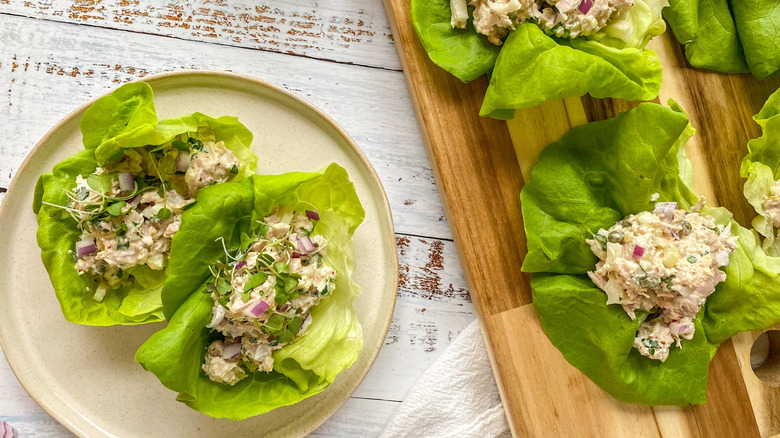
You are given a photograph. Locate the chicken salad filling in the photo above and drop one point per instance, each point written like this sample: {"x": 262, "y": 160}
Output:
{"x": 665, "y": 262}
{"x": 264, "y": 293}
{"x": 561, "y": 18}
{"x": 128, "y": 211}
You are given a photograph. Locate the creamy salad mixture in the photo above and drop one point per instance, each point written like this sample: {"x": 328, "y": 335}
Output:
{"x": 665, "y": 262}
{"x": 263, "y": 295}
{"x": 129, "y": 211}
{"x": 772, "y": 205}
{"x": 562, "y": 18}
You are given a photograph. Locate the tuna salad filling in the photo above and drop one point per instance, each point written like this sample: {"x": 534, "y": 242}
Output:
{"x": 665, "y": 262}
{"x": 128, "y": 211}
{"x": 771, "y": 205}
{"x": 263, "y": 294}
{"x": 561, "y": 18}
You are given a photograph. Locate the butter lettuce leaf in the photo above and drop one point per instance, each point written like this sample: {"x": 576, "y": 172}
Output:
{"x": 758, "y": 22}
{"x": 464, "y": 53}
{"x": 709, "y": 34}
{"x": 532, "y": 67}
{"x": 127, "y": 112}
{"x": 728, "y": 36}
{"x": 761, "y": 168}
{"x": 302, "y": 368}
{"x": 124, "y": 120}
{"x": 594, "y": 176}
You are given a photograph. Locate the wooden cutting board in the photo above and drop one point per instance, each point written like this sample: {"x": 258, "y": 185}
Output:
{"x": 480, "y": 165}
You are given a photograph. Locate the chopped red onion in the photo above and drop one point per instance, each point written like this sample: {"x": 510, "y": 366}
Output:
{"x": 304, "y": 245}
{"x": 231, "y": 351}
{"x": 638, "y": 252}
{"x": 126, "y": 181}
{"x": 675, "y": 235}
{"x": 663, "y": 207}
{"x": 241, "y": 265}
{"x": 8, "y": 430}
{"x": 85, "y": 247}
{"x": 585, "y": 6}
{"x": 285, "y": 307}
{"x": 260, "y": 308}
{"x": 296, "y": 255}
{"x": 313, "y": 215}
{"x": 183, "y": 161}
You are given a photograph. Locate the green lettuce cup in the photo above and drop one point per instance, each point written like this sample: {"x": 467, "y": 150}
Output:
{"x": 532, "y": 67}
{"x": 761, "y": 168}
{"x": 218, "y": 223}
{"x": 129, "y": 158}
{"x": 596, "y": 175}
{"x": 728, "y": 36}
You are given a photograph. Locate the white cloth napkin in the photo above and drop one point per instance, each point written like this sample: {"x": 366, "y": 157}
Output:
{"x": 457, "y": 396}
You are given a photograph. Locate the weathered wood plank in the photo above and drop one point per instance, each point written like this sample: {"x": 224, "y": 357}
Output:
{"x": 47, "y": 69}
{"x": 347, "y": 31}
{"x": 433, "y": 306}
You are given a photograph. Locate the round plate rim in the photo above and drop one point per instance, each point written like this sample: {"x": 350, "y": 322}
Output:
{"x": 71, "y": 425}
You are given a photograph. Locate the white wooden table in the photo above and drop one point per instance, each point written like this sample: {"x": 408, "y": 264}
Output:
{"x": 58, "y": 54}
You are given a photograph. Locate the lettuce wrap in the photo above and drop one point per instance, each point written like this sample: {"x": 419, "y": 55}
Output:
{"x": 114, "y": 129}
{"x": 728, "y": 36}
{"x": 302, "y": 368}
{"x": 594, "y": 176}
{"x": 532, "y": 67}
{"x": 761, "y": 167}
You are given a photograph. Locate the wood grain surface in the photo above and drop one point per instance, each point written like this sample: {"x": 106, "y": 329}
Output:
{"x": 542, "y": 393}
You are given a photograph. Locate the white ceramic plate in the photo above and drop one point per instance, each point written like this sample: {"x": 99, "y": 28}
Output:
{"x": 86, "y": 377}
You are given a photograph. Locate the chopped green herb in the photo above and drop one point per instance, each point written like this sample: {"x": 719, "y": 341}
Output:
{"x": 234, "y": 170}
{"x": 295, "y": 325}
{"x": 115, "y": 209}
{"x": 692, "y": 259}
{"x": 649, "y": 343}
{"x": 163, "y": 214}
{"x": 196, "y": 144}
{"x": 180, "y": 145}
{"x": 324, "y": 290}
{"x": 255, "y": 280}
{"x": 265, "y": 259}
{"x": 120, "y": 273}
{"x": 123, "y": 243}
{"x": 224, "y": 288}
{"x": 281, "y": 268}
{"x": 121, "y": 230}
{"x": 275, "y": 322}
{"x": 246, "y": 241}
{"x": 285, "y": 337}
{"x": 82, "y": 193}
{"x": 224, "y": 301}
{"x": 99, "y": 183}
